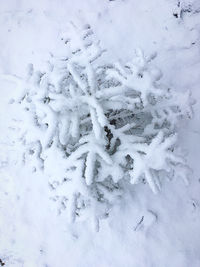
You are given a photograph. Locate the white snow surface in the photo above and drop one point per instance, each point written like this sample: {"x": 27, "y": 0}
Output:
{"x": 144, "y": 229}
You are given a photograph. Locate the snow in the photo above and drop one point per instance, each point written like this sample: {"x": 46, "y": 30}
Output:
{"x": 143, "y": 229}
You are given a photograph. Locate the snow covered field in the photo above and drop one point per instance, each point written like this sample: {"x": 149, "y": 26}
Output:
{"x": 144, "y": 229}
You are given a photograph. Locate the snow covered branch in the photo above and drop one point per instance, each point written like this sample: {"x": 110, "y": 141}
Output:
{"x": 95, "y": 127}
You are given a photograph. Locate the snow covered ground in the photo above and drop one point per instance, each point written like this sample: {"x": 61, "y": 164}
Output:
{"x": 144, "y": 230}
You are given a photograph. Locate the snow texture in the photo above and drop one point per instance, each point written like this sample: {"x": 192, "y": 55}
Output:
{"x": 79, "y": 144}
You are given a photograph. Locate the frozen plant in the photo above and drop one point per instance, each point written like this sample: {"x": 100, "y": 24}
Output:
{"x": 93, "y": 126}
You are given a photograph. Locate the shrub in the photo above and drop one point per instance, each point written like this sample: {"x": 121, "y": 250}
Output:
{"x": 93, "y": 127}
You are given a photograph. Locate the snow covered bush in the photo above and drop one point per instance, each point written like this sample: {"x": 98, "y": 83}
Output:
{"x": 94, "y": 126}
